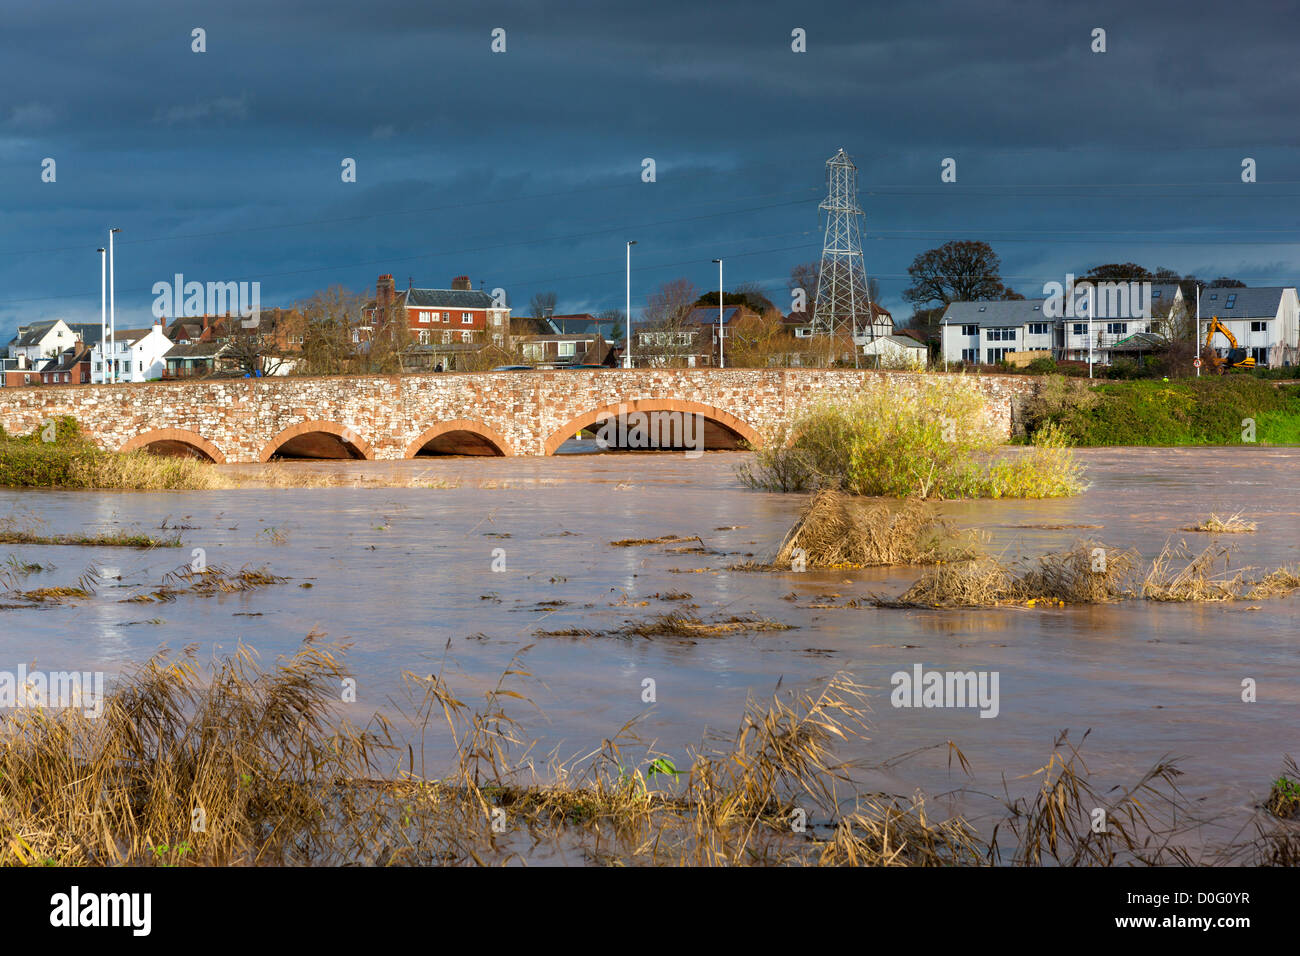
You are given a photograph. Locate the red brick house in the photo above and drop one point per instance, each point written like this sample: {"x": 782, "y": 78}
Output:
{"x": 72, "y": 367}
{"x": 461, "y": 314}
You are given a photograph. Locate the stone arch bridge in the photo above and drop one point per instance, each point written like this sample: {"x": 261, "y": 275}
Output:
{"x": 490, "y": 413}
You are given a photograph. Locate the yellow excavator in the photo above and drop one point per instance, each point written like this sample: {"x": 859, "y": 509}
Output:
{"x": 1236, "y": 357}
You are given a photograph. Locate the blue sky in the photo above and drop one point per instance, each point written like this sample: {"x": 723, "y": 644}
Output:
{"x": 522, "y": 169}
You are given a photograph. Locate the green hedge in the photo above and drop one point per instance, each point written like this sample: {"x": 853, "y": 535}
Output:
{"x": 1205, "y": 411}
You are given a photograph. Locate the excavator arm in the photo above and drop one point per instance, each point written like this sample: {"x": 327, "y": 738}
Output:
{"x": 1236, "y": 358}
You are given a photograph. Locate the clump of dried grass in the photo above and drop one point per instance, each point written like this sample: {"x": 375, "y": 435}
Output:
{"x": 1233, "y": 524}
{"x": 251, "y": 751}
{"x": 679, "y": 624}
{"x": 836, "y": 530}
{"x": 1057, "y": 827}
{"x": 1278, "y": 583}
{"x": 983, "y": 581}
{"x": 1196, "y": 580}
{"x": 1088, "y": 573}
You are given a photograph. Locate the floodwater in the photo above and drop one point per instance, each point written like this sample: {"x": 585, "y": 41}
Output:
{"x": 406, "y": 575}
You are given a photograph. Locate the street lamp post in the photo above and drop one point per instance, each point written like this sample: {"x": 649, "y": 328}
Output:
{"x": 103, "y": 316}
{"x": 627, "y": 342}
{"x": 112, "y": 303}
{"x": 722, "y": 362}
{"x": 1092, "y": 310}
{"x": 1198, "y": 330}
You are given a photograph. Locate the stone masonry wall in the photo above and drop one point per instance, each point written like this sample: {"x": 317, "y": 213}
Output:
{"x": 391, "y": 417}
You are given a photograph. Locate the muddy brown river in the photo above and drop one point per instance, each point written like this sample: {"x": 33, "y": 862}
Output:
{"x": 407, "y": 576}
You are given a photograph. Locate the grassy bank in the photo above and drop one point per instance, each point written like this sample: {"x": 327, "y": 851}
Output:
{"x": 1211, "y": 410}
{"x": 60, "y": 456}
{"x": 930, "y": 443}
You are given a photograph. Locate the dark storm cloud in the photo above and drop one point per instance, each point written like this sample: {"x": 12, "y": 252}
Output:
{"x": 523, "y": 169}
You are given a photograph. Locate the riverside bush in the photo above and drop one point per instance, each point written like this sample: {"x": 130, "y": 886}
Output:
{"x": 931, "y": 443}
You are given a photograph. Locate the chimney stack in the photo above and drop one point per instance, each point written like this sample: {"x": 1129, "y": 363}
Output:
{"x": 461, "y": 284}
{"x": 384, "y": 290}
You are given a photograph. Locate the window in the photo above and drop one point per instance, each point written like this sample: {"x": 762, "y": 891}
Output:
{"x": 466, "y": 318}
{"x": 1232, "y": 300}
{"x": 1260, "y": 356}
{"x": 1037, "y": 328}
{"x": 426, "y": 316}
{"x": 446, "y": 337}
{"x": 466, "y": 336}
{"x": 446, "y": 317}
{"x": 1000, "y": 335}
{"x": 1259, "y": 326}
{"x": 533, "y": 351}
{"x": 1155, "y": 293}
{"x": 568, "y": 349}
{"x": 1116, "y": 328}
{"x": 995, "y": 355}
{"x": 970, "y": 330}
{"x": 424, "y": 336}
{"x": 970, "y": 356}
{"x": 1080, "y": 328}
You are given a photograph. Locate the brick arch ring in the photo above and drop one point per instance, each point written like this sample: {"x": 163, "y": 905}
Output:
{"x": 182, "y": 435}
{"x": 459, "y": 425}
{"x": 341, "y": 432}
{"x": 587, "y": 419}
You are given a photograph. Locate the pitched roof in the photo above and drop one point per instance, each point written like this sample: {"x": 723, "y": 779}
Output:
{"x": 447, "y": 299}
{"x": 995, "y": 312}
{"x": 524, "y": 325}
{"x": 69, "y": 360}
{"x": 1261, "y": 303}
{"x": 196, "y": 350}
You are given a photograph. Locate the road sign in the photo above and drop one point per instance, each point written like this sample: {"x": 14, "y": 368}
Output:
{"x": 1196, "y": 363}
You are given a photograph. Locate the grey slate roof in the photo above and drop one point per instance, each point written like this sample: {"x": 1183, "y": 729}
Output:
{"x": 447, "y": 299}
{"x": 995, "y": 314}
{"x": 1261, "y": 303}
{"x": 29, "y": 335}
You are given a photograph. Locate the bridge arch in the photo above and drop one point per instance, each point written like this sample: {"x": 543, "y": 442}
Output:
{"x": 176, "y": 441}
{"x": 730, "y": 423}
{"x": 460, "y": 436}
{"x": 314, "y": 439}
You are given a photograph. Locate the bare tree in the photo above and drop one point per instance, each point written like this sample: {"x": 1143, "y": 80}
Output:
{"x": 666, "y": 337}
{"x": 541, "y": 303}
{"x": 332, "y": 326}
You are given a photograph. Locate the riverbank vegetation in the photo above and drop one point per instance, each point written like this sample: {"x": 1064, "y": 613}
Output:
{"x": 241, "y": 765}
{"x": 1092, "y": 573}
{"x": 58, "y": 455}
{"x": 1212, "y": 410}
{"x": 928, "y": 443}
